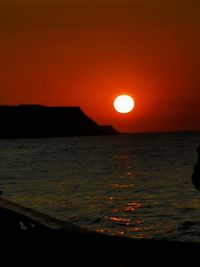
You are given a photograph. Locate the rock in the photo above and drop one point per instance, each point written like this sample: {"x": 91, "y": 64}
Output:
{"x": 196, "y": 172}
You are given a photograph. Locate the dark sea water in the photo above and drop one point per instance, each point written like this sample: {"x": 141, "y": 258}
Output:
{"x": 135, "y": 185}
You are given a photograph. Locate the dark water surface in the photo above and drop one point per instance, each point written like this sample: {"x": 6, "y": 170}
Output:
{"x": 135, "y": 185}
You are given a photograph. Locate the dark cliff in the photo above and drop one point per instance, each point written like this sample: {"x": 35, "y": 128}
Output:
{"x": 26, "y": 121}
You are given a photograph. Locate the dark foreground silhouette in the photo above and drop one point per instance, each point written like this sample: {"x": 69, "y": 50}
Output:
{"x": 29, "y": 238}
{"x": 196, "y": 172}
{"x": 30, "y": 121}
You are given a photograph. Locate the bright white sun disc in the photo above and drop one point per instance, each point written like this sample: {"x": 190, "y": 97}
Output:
{"x": 124, "y": 103}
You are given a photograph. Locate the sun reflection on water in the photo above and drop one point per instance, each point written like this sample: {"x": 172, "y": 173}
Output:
{"x": 125, "y": 216}
{"x": 120, "y": 220}
{"x": 131, "y": 207}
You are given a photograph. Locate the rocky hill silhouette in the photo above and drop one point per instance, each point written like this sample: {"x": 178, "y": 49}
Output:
{"x": 30, "y": 121}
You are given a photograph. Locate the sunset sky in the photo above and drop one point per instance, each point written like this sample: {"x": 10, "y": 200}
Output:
{"x": 85, "y": 53}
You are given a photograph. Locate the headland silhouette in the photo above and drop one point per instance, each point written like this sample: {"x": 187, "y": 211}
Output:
{"x": 31, "y": 121}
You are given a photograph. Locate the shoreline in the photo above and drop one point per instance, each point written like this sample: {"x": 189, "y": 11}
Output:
{"x": 36, "y": 239}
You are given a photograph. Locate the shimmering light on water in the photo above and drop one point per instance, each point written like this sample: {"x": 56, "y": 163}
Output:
{"x": 131, "y": 185}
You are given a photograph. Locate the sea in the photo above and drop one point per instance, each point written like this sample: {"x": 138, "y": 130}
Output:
{"x": 134, "y": 185}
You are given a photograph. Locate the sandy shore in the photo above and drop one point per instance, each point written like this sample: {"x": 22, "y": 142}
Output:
{"x": 29, "y": 238}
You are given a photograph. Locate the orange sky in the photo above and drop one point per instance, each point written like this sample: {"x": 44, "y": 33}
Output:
{"x": 85, "y": 53}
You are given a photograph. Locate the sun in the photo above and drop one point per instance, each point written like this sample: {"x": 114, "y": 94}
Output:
{"x": 124, "y": 103}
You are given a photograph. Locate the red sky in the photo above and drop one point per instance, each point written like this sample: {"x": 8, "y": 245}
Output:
{"x": 85, "y": 53}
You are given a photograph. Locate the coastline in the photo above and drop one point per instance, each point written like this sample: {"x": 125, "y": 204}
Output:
{"x": 36, "y": 239}
{"x": 37, "y": 121}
